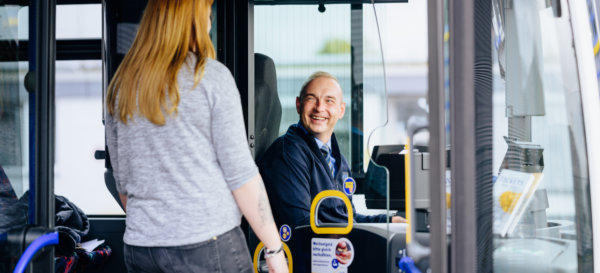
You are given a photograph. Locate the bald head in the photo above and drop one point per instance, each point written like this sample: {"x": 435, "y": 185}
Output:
{"x": 320, "y": 105}
{"x": 318, "y": 74}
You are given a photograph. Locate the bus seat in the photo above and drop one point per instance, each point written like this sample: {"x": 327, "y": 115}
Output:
{"x": 267, "y": 105}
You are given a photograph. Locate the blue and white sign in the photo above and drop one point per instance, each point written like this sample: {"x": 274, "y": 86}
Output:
{"x": 331, "y": 255}
{"x": 285, "y": 232}
{"x": 349, "y": 186}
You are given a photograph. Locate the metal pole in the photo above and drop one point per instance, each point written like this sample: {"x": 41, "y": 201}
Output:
{"x": 483, "y": 89}
{"x": 462, "y": 121}
{"x": 45, "y": 59}
{"x": 471, "y": 135}
{"x": 44, "y": 127}
{"x": 437, "y": 140}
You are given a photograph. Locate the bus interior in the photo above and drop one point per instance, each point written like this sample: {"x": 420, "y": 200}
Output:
{"x": 448, "y": 103}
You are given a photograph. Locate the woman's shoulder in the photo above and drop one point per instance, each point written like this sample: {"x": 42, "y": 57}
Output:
{"x": 216, "y": 67}
{"x": 212, "y": 67}
{"x": 217, "y": 77}
{"x": 215, "y": 71}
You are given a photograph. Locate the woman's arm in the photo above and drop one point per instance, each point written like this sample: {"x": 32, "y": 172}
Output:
{"x": 252, "y": 200}
{"x": 230, "y": 144}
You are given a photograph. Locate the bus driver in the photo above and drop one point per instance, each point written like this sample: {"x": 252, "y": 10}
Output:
{"x": 307, "y": 160}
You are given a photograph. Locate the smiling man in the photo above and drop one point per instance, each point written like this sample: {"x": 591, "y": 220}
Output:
{"x": 307, "y": 159}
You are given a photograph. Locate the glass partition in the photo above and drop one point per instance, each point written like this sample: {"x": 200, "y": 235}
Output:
{"x": 14, "y": 136}
{"x": 375, "y": 116}
{"x": 542, "y": 216}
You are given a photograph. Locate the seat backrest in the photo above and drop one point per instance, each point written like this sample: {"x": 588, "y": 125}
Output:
{"x": 267, "y": 105}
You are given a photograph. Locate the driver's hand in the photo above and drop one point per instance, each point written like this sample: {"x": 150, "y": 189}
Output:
{"x": 398, "y": 219}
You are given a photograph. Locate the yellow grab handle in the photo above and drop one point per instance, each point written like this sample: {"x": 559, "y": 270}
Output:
{"x": 330, "y": 230}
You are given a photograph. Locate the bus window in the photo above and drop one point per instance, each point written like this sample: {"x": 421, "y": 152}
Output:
{"x": 301, "y": 41}
{"x": 79, "y": 133}
{"x": 72, "y": 22}
{"x": 78, "y": 21}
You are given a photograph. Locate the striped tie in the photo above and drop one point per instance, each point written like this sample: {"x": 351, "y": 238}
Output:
{"x": 325, "y": 151}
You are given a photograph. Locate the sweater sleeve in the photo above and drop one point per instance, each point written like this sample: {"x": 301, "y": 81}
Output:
{"x": 359, "y": 218}
{"x": 228, "y": 133}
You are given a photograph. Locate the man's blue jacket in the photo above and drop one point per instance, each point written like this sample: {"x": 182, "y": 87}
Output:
{"x": 295, "y": 171}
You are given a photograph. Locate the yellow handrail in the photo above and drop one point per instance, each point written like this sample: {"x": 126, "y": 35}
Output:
{"x": 330, "y": 230}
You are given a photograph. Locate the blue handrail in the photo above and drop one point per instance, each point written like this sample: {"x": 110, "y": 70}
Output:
{"x": 39, "y": 243}
{"x": 406, "y": 264}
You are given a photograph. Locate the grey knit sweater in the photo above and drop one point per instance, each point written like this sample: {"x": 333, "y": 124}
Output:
{"x": 179, "y": 177}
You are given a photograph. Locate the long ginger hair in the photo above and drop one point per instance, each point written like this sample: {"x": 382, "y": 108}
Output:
{"x": 148, "y": 73}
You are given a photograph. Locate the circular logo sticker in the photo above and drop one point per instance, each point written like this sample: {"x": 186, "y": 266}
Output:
{"x": 349, "y": 186}
{"x": 285, "y": 232}
{"x": 343, "y": 252}
{"x": 335, "y": 263}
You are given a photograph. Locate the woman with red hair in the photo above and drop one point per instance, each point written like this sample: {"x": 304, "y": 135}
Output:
{"x": 177, "y": 143}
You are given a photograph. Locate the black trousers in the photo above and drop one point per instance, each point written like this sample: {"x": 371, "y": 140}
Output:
{"x": 225, "y": 253}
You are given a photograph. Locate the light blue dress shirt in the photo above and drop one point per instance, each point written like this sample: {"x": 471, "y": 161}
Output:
{"x": 320, "y": 144}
